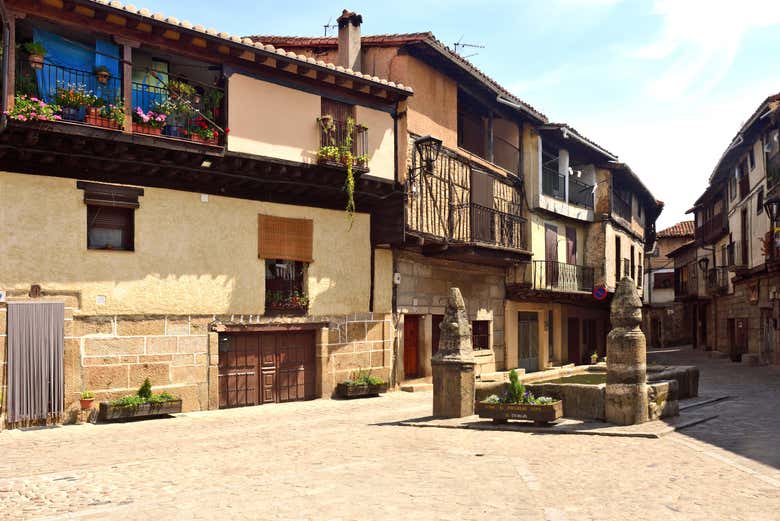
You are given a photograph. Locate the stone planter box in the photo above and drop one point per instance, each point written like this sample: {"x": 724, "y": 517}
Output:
{"x": 109, "y": 412}
{"x": 359, "y": 391}
{"x": 503, "y": 412}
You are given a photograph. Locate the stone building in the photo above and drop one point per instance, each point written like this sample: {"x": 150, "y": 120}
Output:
{"x": 524, "y": 215}
{"x": 736, "y": 239}
{"x": 665, "y": 321}
{"x": 223, "y": 267}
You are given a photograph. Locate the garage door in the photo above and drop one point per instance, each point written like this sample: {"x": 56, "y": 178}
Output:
{"x": 258, "y": 368}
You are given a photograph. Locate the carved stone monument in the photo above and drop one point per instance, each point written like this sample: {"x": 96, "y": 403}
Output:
{"x": 453, "y": 364}
{"x": 626, "y": 399}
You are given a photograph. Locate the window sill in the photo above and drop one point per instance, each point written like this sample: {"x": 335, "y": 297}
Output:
{"x": 110, "y": 249}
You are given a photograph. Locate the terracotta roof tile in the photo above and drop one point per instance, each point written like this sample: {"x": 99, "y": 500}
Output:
{"x": 681, "y": 229}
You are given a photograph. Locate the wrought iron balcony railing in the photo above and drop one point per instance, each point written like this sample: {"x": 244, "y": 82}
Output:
{"x": 472, "y": 223}
{"x": 336, "y": 137}
{"x": 580, "y": 193}
{"x": 553, "y": 184}
{"x": 620, "y": 207}
{"x": 560, "y": 276}
{"x": 718, "y": 280}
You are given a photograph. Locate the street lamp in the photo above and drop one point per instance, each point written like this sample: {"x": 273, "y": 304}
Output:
{"x": 772, "y": 205}
{"x": 429, "y": 148}
{"x": 704, "y": 263}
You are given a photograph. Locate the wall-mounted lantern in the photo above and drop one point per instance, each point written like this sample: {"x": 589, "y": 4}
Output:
{"x": 429, "y": 148}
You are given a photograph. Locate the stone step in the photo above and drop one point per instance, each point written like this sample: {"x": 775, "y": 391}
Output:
{"x": 417, "y": 387}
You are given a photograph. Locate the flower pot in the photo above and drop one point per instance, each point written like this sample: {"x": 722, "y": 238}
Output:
{"x": 103, "y": 77}
{"x": 344, "y": 390}
{"x": 36, "y": 61}
{"x": 93, "y": 111}
{"x": 86, "y": 403}
{"x": 198, "y": 139}
{"x": 503, "y": 412}
{"x": 140, "y": 128}
{"x": 100, "y": 121}
{"x": 110, "y": 412}
{"x": 73, "y": 113}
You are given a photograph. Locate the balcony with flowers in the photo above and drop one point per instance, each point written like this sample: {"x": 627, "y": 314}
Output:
{"x": 79, "y": 80}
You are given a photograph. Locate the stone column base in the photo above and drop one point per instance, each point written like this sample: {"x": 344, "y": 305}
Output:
{"x": 626, "y": 404}
{"x": 453, "y": 389}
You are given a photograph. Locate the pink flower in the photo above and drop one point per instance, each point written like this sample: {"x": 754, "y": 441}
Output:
{"x": 34, "y": 99}
{"x": 57, "y": 117}
{"x": 33, "y": 114}
{"x": 22, "y": 118}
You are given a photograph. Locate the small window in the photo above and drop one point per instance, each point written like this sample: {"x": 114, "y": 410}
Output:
{"x": 480, "y": 334}
{"x": 760, "y": 201}
{"x": 285, "y": 287}
{"x": 751, "y": 159}
{"x": 110, "y": 215}
{"x": 110, "y": 228}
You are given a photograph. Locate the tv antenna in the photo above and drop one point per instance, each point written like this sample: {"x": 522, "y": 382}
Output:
{"x": 469, "y": 45}
{"x": 329, "y": 25}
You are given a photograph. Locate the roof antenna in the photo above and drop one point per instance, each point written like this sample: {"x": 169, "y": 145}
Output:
{"x": 464, "y": 45}
{"x": 329, "y": 25}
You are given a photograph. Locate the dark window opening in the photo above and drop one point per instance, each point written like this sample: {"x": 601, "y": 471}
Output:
{"x": 472, "y": 126}
{"x": 284, "y": 287}
{"x": 480, "y": 334}
{"x": 752, "y": 159}
{"x": 110, "y": 228}
{"x": 760, "y": 201}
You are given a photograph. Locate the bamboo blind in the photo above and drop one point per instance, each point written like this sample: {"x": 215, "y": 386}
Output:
{"x": 284, "y": 238}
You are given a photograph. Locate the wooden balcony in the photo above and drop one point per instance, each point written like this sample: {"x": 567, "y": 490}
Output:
{"x": 560, "y": 276}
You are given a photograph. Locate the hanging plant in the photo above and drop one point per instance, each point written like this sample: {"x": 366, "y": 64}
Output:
{"x": 348, "y": 160}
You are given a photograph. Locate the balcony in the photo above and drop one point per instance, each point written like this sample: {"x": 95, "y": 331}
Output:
{"x": 339, "y": 139}
{"x": 159, "y": 103}
{"x": 712, "y": 229}
{"x": 553, "y": 184}
{"x": 474, "y": 224}
{"x": 559, "y": 276}
{"x": 621, "y": 207}
{"x": 718, "y": 280}
{"x": 580, "y": 193}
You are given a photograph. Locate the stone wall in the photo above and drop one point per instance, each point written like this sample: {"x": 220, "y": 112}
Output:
{"x": 424, "y": 288}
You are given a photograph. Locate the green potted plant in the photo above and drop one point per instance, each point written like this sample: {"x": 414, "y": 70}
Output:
{"x": 516, "y": 403}
{"x": 87, "y": 397}
{"x": 361, "y": 385}
{"x": 102, "y": 74}
{"x": 28, "y": 108}
{"x": 142, "y": 404}
{"x": 36, "y": 52}
{"x": 73, "y": 100}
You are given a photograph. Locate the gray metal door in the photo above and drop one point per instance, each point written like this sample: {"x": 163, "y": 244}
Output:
{"x": 528, "y": 341}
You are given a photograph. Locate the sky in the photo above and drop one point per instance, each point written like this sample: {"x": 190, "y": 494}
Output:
{"x": 663, "y": 84}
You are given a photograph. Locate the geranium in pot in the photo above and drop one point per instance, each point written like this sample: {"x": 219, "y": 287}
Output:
{"x": 516, "y": 403}
{"x": 87, "y": 397}
{"x": 150, "y": 122}
{"x": 73, "y": 99}
{"x": 36, "y": 53}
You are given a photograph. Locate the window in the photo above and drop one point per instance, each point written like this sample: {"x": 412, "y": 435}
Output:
{"x": 760, "y": 201}
{"x": 663, "y": 280}
{"x": 472, "y": 124}
{"x": 480, "y": 334}
{"x": 639, "y": 268}
{"x": 751, "y": 159}
{"x": 110, "y": 215}
{"x": 284, "y": 287}
{"x": 617, "y": 260}
{"x": 732, "y": 187}
{"x": 744, "y": 181}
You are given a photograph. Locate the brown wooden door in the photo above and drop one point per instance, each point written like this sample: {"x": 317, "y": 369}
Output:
{"x": 411, "y": 346}
{"x": 258, "y": 368}
{"x": 551, "y": 254}
{"x": 573, "y": 326}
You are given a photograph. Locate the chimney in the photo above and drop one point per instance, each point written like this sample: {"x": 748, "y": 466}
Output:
{"x": 349, "y": 40}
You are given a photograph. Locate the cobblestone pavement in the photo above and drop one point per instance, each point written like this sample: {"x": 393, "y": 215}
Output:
{"x": 350, "y": 460}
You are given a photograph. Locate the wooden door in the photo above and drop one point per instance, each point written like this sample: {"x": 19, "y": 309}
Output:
{"x": 573, "y": 328}
{"x": 528, "y": 341}
{"x": 571, "y": 245}
{"x": 411, "y": 346}
{"x": 551, "y": 255}
{"x": 436, "y": 321}
{"x": 482, "y": 225}
{"x": 259, "y": 368}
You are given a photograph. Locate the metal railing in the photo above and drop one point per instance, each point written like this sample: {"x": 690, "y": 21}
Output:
{"x": 473, "y": 223}
{"x": 580, "y": 193}
{"x": 560, "y": 276}
{"x": 553, "y": 184}
{"x": 336, "y": 134}
{"x": 191, "y": 111}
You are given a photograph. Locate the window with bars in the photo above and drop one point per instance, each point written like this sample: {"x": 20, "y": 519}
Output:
{"x": 480, "y": 334}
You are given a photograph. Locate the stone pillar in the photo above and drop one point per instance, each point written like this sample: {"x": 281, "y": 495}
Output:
{"x": 626, "y": 399}
{"x": 453, "y": 365}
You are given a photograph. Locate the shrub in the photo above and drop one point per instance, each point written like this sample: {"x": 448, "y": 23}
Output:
{"x": 145, "y": 391}
{"x": 363, "y": 377}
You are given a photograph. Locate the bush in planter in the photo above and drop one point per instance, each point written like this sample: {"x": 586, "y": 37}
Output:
{"x": 364, "y": 378}
{"x": 144, "y": 395}
{"x": 517, "y": 394}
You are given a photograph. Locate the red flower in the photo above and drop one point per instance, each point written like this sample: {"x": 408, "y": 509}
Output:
{"x": 227, "y": 131}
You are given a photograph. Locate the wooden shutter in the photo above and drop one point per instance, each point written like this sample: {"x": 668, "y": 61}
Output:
{"x": 340, "y": 111}
{"x": 99, "y": 194}
{"x": 284, "y": 238}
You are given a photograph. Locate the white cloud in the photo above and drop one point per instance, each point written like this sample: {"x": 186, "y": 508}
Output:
{"x": 701, "y": 38}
